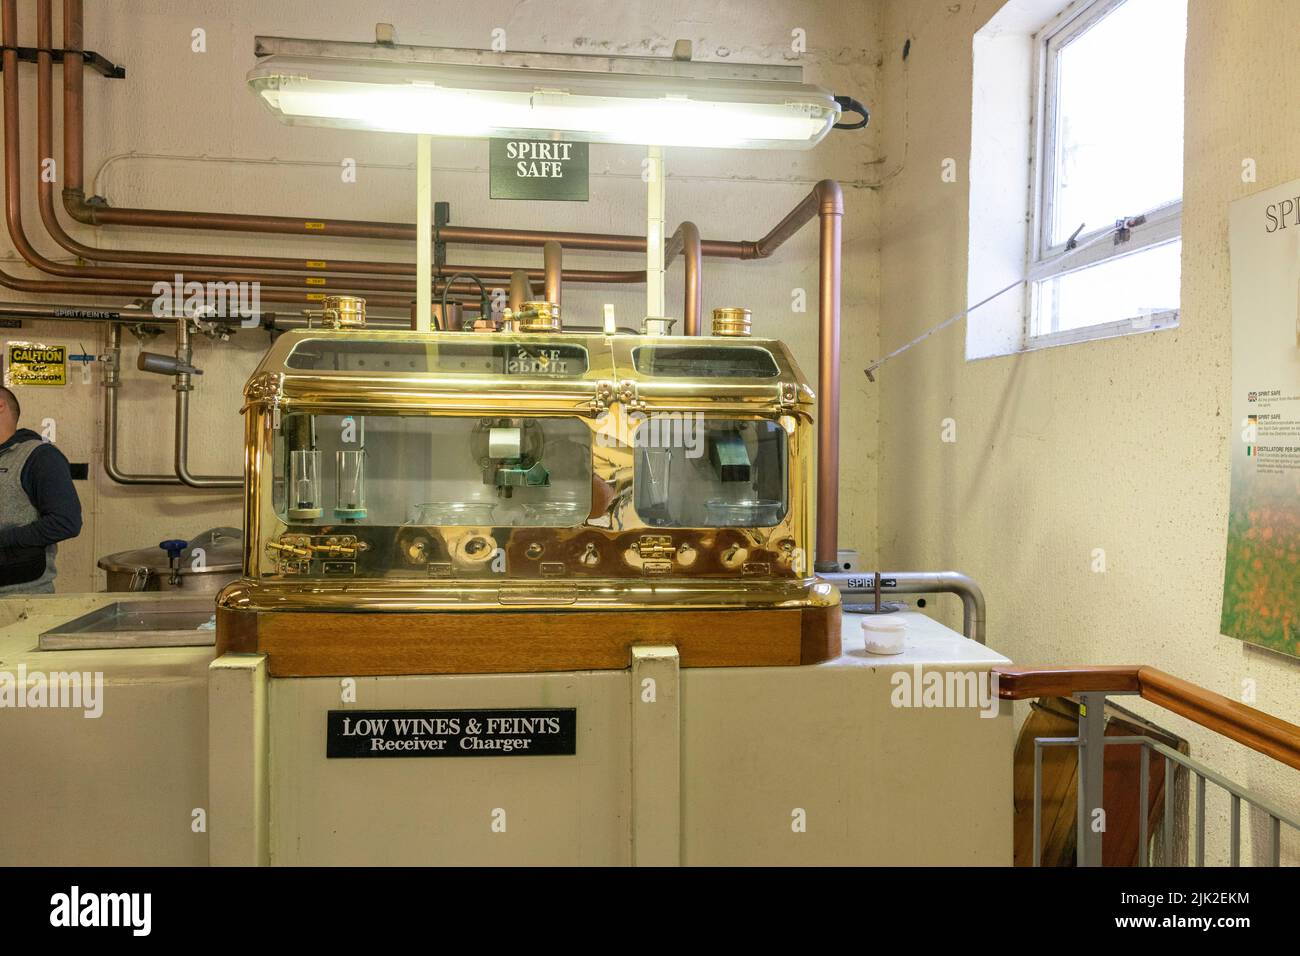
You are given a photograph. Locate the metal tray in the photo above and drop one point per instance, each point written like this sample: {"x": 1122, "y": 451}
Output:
{"x": 160, "y": 623}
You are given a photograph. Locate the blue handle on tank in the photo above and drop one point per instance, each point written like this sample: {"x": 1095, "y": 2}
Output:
{"x": 173, "y": 547}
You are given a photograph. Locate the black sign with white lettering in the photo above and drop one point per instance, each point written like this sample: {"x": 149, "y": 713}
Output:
{"x": 452, "y": 733}
{"x": 538, "y": 169}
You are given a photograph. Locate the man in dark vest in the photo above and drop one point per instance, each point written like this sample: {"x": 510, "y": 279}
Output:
{"x": 38, "y": 505}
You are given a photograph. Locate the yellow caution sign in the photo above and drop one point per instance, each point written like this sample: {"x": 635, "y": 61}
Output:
{"x": 33, "y": 364}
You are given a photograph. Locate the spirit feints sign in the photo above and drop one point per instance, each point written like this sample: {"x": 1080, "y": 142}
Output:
{"x": 34, "y": 364}
{"x": 538, "y": 169}
{"x": 452, "y": 733}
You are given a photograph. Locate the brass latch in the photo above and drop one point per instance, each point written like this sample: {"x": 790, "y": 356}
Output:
{"x": 338, "y": 546}
{"x": 655, "y": 547}
{"x": 657, "y": 553}
{"x": 296, "y": 551}
{"x": 288, "y": 549}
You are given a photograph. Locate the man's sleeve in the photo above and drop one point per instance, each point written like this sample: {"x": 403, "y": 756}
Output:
{"x": 48, "y": 482}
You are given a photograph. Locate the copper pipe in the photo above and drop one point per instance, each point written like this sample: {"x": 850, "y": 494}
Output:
{"x": 94, "y": 286}
{"x": 73, "y": 93}
{"x": 825, "y": 201}
{"x": 553, "y": 257}
{"x": 13, "y": 203}
{"x": 75, "y": 203}
{"x": 73, "y": 78}
{"x": 687, "y": 241}
{"x": 598, "y": 276}
{"x": 13, "y": 174}
{"x": 794, "y": 220}
{"x": 521, "y": 290}
{"x": 829, "y": 203}
{"x": 316, "y": 226}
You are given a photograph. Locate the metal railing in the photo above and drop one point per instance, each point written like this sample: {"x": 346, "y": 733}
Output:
{"x": 1090, "y": 687}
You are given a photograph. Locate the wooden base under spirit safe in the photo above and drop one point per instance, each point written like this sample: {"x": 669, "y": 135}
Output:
{"x": 325, "y": 644}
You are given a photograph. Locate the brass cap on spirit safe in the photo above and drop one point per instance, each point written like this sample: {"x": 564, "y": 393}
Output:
{"x": 731, "y": 321}
{"x": 344, "y": 312}
{"x": 538, "y": 317}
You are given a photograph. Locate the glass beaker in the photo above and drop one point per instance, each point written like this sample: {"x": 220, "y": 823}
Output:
{"x": 746, "y": 513}
{"x": 350, "y": 486}
{"x": 432, "y": 514}
{"x": 304, "y": 484}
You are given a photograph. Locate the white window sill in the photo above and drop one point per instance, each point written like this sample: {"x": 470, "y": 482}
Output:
{"x": 1163, "y": 322}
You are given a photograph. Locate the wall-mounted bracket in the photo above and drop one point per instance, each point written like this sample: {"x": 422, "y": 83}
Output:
{"x": 97, "y": 62}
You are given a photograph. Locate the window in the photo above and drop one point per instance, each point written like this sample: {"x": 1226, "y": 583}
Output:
{"x": 388, "y": 470}
{"x": 449, "y": 355}
{"x": 704, "y": 361}
{"x": 1109, "y": 147}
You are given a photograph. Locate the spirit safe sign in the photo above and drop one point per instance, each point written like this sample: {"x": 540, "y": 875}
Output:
{"x": 452, "y": 733}
{"x": 538, "y": 169}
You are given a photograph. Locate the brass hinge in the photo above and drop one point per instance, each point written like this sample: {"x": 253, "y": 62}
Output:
{"x": 628, "y": 394}
{"x": 604, "y": 395}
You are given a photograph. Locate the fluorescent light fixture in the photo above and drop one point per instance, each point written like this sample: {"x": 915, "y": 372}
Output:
{"x": 477, "y": 100}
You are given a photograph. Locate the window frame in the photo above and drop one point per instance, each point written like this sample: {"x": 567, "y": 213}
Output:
{"x": 1048, "y": 260}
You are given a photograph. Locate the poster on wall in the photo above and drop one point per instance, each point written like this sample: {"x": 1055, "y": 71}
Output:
{"x": 1261, "y": 586}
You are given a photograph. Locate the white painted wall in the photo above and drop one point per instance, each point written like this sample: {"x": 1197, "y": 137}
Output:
{"x": 183, "y": 132}
{"x": 1118, "y": 444}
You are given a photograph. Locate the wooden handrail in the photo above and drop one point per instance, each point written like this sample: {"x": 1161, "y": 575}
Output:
{"x": 1252, "y": 728}
{"x": 1021, "y": 683}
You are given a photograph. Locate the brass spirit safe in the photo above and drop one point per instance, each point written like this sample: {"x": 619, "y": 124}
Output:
{"x": 483, "y": 501}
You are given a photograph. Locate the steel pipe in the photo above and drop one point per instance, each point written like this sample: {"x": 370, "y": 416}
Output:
{"x": 185, "y": 356}
{"x": 69, "y": 313}
{"x": 920, "y": 582}
{"x": 112, "y": 383}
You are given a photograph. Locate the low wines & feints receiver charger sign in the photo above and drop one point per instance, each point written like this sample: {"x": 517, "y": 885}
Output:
{"x": 538, "y": 169}
{"x": 452, "y": 733}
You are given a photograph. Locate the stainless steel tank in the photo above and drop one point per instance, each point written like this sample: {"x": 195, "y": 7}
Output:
{"x": 151, "y": 569}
